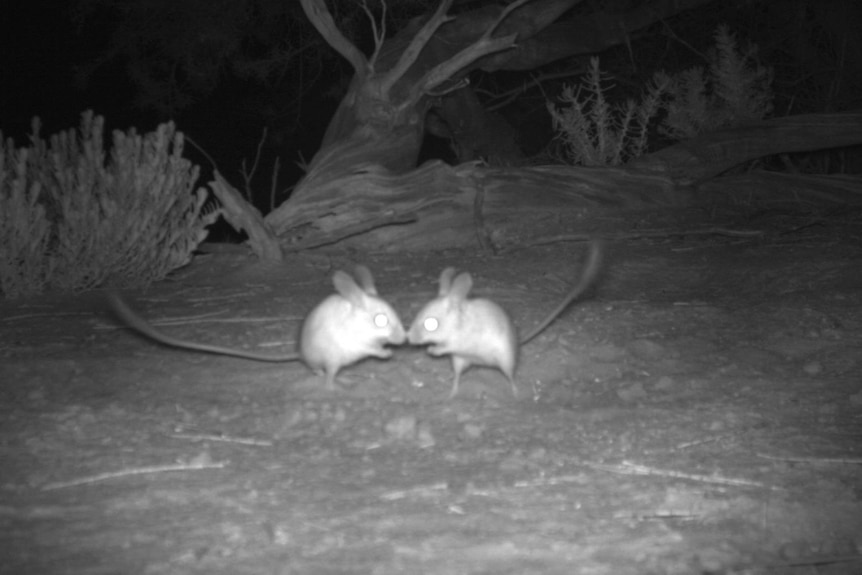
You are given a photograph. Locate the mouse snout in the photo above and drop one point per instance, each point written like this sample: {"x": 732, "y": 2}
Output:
{"x": 418, "y": 335}
{"x": 398, "y": 336}
{"x": 390, "y": 325}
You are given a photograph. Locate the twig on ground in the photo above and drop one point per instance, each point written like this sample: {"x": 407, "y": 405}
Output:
{"x": 194, "y": 465}
{"x": 843, "y": 460}
{"x": 629, "y": 468}
{"x": 423, "y": 490}
{"x": 638, "y": 235}
{"x": 222, "y": 438}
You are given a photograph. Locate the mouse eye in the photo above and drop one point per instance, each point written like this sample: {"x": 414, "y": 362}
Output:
{"x": 381, "y": 320}
{"x": 430, "y": 324}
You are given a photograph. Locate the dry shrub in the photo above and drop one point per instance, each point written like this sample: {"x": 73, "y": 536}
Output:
{"x": 596, "y": 133}
{"x": 735, "y": 90}
{"x": 73, "y": 216}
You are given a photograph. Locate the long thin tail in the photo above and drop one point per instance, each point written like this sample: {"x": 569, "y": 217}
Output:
{"x": 131, "y": 319}
{"x": 588, "y": 275}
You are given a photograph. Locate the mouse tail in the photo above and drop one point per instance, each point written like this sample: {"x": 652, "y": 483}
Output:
{"x": 588, "y": 275}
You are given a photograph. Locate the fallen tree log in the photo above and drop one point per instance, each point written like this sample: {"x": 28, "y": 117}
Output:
{"x": 360, "y": 188}
{"x": 440, "y": 206}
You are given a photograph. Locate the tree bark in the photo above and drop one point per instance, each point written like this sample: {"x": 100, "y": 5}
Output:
{"x": 712, "y": 154}
{"x": 434, "y": 206}
{"x": 360, "y": 186}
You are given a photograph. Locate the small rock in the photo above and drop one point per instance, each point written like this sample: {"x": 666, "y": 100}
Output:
{"x": 472, "y": 431}
{"x": 424, "y": 436}
{"x": 795, "y": 550}
{"x": 833, "y": 334}
{"x": 513, "y": 464}
{"x": 813, "y": 368}
{"x": 716, "y": 426}
{"x": 646, "y": 349}
{"x": 664, "y": 383}
{"x": 632, "y": 393}
{"x": 607, "y": 353}
{"x": 339, "y": 415}
{"x": 402, "y": 428}
{"x": 537, "y": 453}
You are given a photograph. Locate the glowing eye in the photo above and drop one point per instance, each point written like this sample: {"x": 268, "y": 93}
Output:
{"x": 381, "y": 320}
{"x": 430, "y": 324}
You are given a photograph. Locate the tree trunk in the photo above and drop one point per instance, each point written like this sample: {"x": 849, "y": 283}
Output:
{"x": 440, "y": 206}
{"x": 360, "y": 186}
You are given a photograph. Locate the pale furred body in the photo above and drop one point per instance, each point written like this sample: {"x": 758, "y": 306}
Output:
{"x": 478, "y": 331}
{"x": 345, "y": 327}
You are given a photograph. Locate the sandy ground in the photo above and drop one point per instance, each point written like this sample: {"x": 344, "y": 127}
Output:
{"x": 700, "y": 412}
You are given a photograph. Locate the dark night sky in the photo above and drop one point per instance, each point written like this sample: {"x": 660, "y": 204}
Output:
{"x": 39, "y": 48}
{"x": 39, "y": 52}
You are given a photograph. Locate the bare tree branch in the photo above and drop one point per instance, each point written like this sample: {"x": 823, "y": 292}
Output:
{"x": 379, "y": 35}
{"x": 442, "y": 72}
{"x": 503, "y": 15}
{"x": 416, "y": 45}
{"x": 320, "y": 17}
{"x": 483, "y": 46}
{"x": 532, "y": 20}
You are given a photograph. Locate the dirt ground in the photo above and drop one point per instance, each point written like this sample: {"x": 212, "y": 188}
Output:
{"x": 700, "y": 412}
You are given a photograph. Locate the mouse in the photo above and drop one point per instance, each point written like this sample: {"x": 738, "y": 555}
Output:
{"x": 477, "y": 331}
{"x": 347, "y": 326}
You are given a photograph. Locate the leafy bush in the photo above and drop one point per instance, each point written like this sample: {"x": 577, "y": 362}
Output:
{"x": 734, "y": 91}
{"x": 72, "y": 219}
{"x": 594, "y": 132}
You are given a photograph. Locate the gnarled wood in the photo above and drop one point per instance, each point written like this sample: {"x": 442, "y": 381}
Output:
{"x": 245, "y": 217}
{"x": 363, "y": 185}
{"x": 433, "y": 206}
{"x": 712, "y": 154}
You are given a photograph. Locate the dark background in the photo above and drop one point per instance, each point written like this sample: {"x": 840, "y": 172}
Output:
{"x": 814, "y": 47}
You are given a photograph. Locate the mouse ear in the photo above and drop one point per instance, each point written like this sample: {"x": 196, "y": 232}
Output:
{"x": 461, "y": 286}
{"x": 446, "y": 280}
{"x": 366, "y": 280}
{"x": 346, "y": 286}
